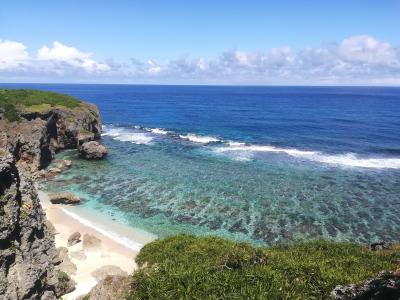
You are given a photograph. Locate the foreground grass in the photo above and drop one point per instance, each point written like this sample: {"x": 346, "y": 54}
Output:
{"x": 188, "y": 267}
{"x": 32, "y": 100}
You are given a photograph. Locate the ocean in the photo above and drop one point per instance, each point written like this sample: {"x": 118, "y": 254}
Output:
{"x": 266, "y": 165}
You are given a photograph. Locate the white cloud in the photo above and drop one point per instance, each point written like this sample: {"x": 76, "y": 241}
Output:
{"x": 366, "y": 49}
{"x": 360, "y": 59}
{"x": 71, "y": 56}
{"x": 12, "y": 55}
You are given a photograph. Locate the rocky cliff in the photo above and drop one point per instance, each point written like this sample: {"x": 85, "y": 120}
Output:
{"x": 38, "y": 135}
{"x": 28, "y": 257}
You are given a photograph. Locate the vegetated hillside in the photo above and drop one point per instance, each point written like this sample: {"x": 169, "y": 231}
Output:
{"x": 12, "y": 101}
{"x": 46, "y": 123}
{"x": 188, "y": 267}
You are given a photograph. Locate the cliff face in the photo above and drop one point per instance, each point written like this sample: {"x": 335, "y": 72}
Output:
{"x": 28, "y": 257}
{"x": 35, "y": 139}
{"x": 27, "y": 251}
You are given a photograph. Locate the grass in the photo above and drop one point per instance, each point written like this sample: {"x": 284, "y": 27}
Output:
{"x": 32, "y": 100}
{"x": 188, "y": 267}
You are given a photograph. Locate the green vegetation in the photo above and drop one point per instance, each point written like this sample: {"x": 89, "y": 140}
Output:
{"x": 32, "y": 100}
{"x": 188, "y": 267}
{"x": 63, "y": 279}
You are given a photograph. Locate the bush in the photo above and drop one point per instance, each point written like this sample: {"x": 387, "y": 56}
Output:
{"x": 12, "y": 100}
{"x": 188, "y": 267}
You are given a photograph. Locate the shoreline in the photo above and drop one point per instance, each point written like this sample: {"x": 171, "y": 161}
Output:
{"x": 119, "y": 246}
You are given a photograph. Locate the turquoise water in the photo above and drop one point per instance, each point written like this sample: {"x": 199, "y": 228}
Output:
{"x": 261, "y": 164}
{"x": 164, "y": 188}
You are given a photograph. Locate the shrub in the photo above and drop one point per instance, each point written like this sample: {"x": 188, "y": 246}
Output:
{"x": 32, "y": 100}
{"x": 188, "y": 267}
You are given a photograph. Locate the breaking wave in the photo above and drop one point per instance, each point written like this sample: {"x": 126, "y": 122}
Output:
{"x": 246, "y": 152}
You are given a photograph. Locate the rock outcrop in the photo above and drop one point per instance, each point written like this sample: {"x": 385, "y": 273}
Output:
{"x": 35, "y": 139}
{"x": 384, "y": 286}
{"x": 64, "y": 198}
{"x": 112, "y": 287}
{"x": 92, "y": 150}
{"x": 74, "y": 238}
{"x": 28, "y": 256}
{"x": 30, "y": 265}
{"x": 90, "y": 242}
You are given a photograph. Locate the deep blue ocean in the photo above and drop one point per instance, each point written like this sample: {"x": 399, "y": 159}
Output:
{"x": 262, "y": 164}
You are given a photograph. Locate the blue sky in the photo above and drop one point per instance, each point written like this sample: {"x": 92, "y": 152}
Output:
{"x": 165, "y": 41}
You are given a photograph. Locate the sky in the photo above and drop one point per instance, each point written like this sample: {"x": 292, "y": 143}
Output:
{"x": 201, "y": 42}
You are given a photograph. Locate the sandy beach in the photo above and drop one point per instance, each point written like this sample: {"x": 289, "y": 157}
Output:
{"x": 110, "y": 252}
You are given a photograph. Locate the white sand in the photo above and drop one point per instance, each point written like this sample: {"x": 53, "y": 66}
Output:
{"x": 111, "y": 252}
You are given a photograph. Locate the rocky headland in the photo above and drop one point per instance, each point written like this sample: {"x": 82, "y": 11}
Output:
{"x": 33, "y": 127}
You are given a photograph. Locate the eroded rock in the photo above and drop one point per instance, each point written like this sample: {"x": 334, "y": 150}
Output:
{"x": 74, "y": 239}
{"x": 64, "y": 198}
{"x": 92, "y": 150}
{"x": 104, "y": 271}
{"x": 111, "y": 287}
{"x": 384, "y": 286}
{"x": 27, "y": 255}
{"x": 90, "y": 242}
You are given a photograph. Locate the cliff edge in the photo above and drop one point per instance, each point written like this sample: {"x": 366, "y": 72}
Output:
{"x": 34, "y": 125}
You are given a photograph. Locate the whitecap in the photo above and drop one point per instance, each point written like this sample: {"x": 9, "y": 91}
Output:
{"x": 199, "y": 139}
{"x": 127, "y": 135}
{"x": 347, "y": 159}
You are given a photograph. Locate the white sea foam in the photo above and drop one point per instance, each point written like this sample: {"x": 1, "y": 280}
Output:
{"x": 127, "y": 135}
{"x": 243, "y": 152}
{"x": 158, "y": 131}
{"x": 233, "y": 143}
{"x": 123, "y": 240}
{"x": 199, "y": 139}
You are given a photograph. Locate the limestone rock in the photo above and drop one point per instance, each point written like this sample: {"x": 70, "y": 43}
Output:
{"x": 111, "y": 287}
{"x": 39, "y": 135}
{"x": 104, "y": 271}
{"x": 74, "y": 239}
{"x": 66, "y": 265}
{"x": 90, "y": 242}
{"x": 79, "y": 255}
{"x": 92, "y": 150}
{"x": 64, "y": 198}
{"x": 27, "y": 254}
{"x": 384, "y": 286}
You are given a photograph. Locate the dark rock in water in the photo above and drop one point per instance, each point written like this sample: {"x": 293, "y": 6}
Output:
{"x": 92, "y": 150}
{"x": 74, "y": 239}
{"x": 64, "y": 198}
{"x": 384, "y": 286}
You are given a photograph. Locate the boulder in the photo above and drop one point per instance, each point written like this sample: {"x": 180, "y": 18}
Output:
{"x": 64, "y": 198}
{"x": 92, "y": 150}
{"x": 67, "y": 163}
{"x": 384, "y": 286}
{"x": 79, "y": 255}
{"x": 111, "y": 287}
{"x": 53, "y": 172}
{"x": 66, "y": 265}
{"x": 104, "y": 271}
{"x": 74, "y": 239}
{"x": 90, "y": 242}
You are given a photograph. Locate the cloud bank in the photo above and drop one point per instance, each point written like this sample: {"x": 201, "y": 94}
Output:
{"x": 360, "y": 59}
